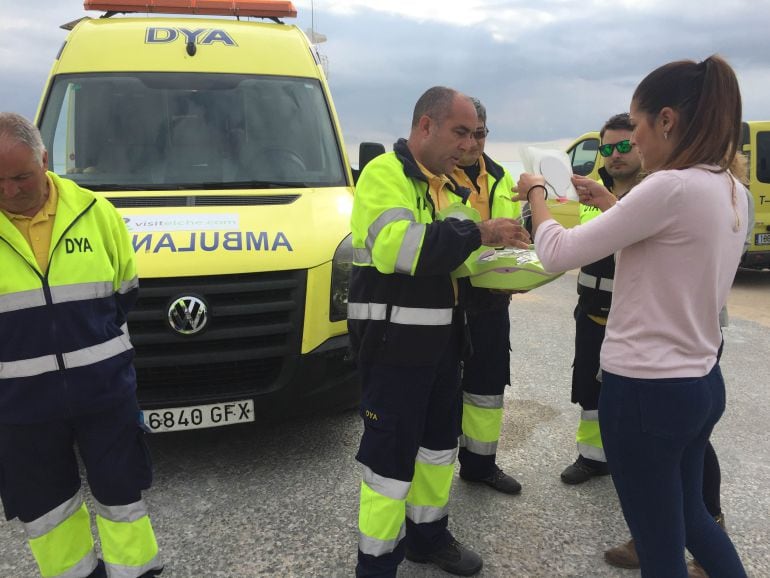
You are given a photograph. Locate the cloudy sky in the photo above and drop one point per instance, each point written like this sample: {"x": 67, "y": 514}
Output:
{"x": 547, "y": 70}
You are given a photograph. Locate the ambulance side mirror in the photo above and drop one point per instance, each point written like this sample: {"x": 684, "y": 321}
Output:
{"x": 366, "y": 152}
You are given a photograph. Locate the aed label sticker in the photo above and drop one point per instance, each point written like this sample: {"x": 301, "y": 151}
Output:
{"x": 204, "y": 222}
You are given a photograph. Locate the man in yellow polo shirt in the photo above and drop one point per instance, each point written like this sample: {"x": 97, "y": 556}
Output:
{"x": 488, "y": 371}
{"x": 66, "y": 374}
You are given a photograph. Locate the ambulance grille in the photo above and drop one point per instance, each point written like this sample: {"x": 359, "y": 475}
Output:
{"x": 251, "y": 340}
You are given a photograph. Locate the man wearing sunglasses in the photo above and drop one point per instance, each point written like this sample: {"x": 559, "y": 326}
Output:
{"x": 621, "y": 171}
{"x": 488, "y": 370}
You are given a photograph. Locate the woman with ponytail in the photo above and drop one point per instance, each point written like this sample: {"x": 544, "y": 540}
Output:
{"x": 678, "y": 237}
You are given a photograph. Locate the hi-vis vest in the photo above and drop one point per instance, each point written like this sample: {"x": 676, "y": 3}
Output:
{"x": 401, "y": 299}
{"x": 499, "y": 182}
{"x": 65, "y": 349}
{"x": 595, "y": 280}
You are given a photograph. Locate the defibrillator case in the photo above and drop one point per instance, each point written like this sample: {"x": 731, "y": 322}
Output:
{"x": 505, "y": 268}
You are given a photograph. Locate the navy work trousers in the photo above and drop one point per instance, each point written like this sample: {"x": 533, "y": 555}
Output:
{"x": 39, "y": 469}
{"x": 416, "y": 407}
{"x": 655, "y": 433}
{"x": 486, "y": 372}
{"x": 589, "y": 336}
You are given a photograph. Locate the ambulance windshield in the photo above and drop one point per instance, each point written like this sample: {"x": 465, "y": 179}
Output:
{"x": 167, "y": 131}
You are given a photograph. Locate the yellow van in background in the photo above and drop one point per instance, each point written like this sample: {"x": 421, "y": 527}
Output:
{"x": 585, "y": 159}
{"x": 217, "y": 140}
{"x": 756, "y": 147}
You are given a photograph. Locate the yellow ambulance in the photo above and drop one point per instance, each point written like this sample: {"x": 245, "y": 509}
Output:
{"x": 585, "y": 159}
{"x": 217, "y": 139}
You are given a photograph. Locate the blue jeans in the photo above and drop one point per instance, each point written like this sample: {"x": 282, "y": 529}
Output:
{"x": 655, "y": 433}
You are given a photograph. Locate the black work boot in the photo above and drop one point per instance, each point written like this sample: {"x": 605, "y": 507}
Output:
{"x": 499, "y": 481}
{"x": 583, "y": 470}
{"x": 453, "y": 558}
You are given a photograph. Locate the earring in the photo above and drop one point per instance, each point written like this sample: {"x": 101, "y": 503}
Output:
{"x": 665, "y": 135}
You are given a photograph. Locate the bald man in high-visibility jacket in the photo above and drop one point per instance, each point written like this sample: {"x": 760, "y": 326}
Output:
{"x": 407, "y": 334}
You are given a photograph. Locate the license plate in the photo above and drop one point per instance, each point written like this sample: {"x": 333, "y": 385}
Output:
{"x": 762, "y": 239}
{"x": 199, "y": 416}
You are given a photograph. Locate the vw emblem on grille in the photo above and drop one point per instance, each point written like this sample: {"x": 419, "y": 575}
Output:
{"x": 188, "y": 315}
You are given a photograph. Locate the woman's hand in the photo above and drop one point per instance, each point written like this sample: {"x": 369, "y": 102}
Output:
{"x": 526, "y": 182}
{"x": 593, "y": 193}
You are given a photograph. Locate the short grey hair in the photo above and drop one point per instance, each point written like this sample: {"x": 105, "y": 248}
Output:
{"x": 17, "y": 128}
{"x": 481, "y": 110}
{"x": 436, "y": 102}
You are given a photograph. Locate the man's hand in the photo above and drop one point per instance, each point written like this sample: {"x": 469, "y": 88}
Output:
{"x": 503, "y": 232}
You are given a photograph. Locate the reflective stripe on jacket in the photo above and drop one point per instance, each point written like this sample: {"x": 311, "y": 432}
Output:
{"x": 401, "y": 295}
{"x": 65, "y": 349}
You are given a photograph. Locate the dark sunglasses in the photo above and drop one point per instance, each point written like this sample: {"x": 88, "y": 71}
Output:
{"x": 480, "y": 133}
{"x": 623, "y": 147}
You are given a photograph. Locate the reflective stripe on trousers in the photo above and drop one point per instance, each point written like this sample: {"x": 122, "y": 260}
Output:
{"x": 482, "y": 423}
{"x": 128, "y": 540}
{"x": 385, "y": 502}
{"x": 63, "y": 546}
{"x": 61, "y": 540}
{"x": 381, "y": 513}
{"x": 589, "y": 439}
{"x": 429, "y": 495}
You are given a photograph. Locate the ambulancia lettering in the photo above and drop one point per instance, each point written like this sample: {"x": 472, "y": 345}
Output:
{"x": 202, "y": 36}
{"x": 209, "y": 241}
{"x": 78, "y": 244}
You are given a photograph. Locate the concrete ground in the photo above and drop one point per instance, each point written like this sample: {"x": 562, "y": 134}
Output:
{"x": 281, "y": 500}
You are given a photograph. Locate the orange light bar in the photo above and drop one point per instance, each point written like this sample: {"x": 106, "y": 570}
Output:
{"x": 257, "y": 8}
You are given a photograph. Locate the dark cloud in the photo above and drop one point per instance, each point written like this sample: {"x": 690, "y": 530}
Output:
{"x": 549, "y": 81}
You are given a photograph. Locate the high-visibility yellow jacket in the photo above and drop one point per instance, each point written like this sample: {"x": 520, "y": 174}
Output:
{"x": 65, "y": 349}
{"x": 401, "y": 298}
{"x": 499, "y": 185}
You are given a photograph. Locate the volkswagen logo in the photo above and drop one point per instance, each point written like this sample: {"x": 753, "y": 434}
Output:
{"x": 188, "y": 315}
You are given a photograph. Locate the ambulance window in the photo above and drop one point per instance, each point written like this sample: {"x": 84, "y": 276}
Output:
{"x": 583, "y": 156}
{"x": 762, "y": 156}
{"x": 58, "y": 155}
{"x": 183, "y": 131}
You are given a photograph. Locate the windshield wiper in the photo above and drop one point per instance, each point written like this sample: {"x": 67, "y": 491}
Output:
{"x": 255, "y": 185}
{"x": 197, "y": 186}
{"x": 112, "y": 187}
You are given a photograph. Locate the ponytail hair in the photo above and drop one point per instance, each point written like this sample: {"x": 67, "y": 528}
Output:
{"x": 707, "y": 99}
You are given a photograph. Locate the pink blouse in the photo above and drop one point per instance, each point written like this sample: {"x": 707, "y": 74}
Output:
{"x": 678, "y": 236}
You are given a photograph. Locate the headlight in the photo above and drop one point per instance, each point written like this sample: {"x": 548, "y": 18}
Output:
{"x": 341, "y": 266}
